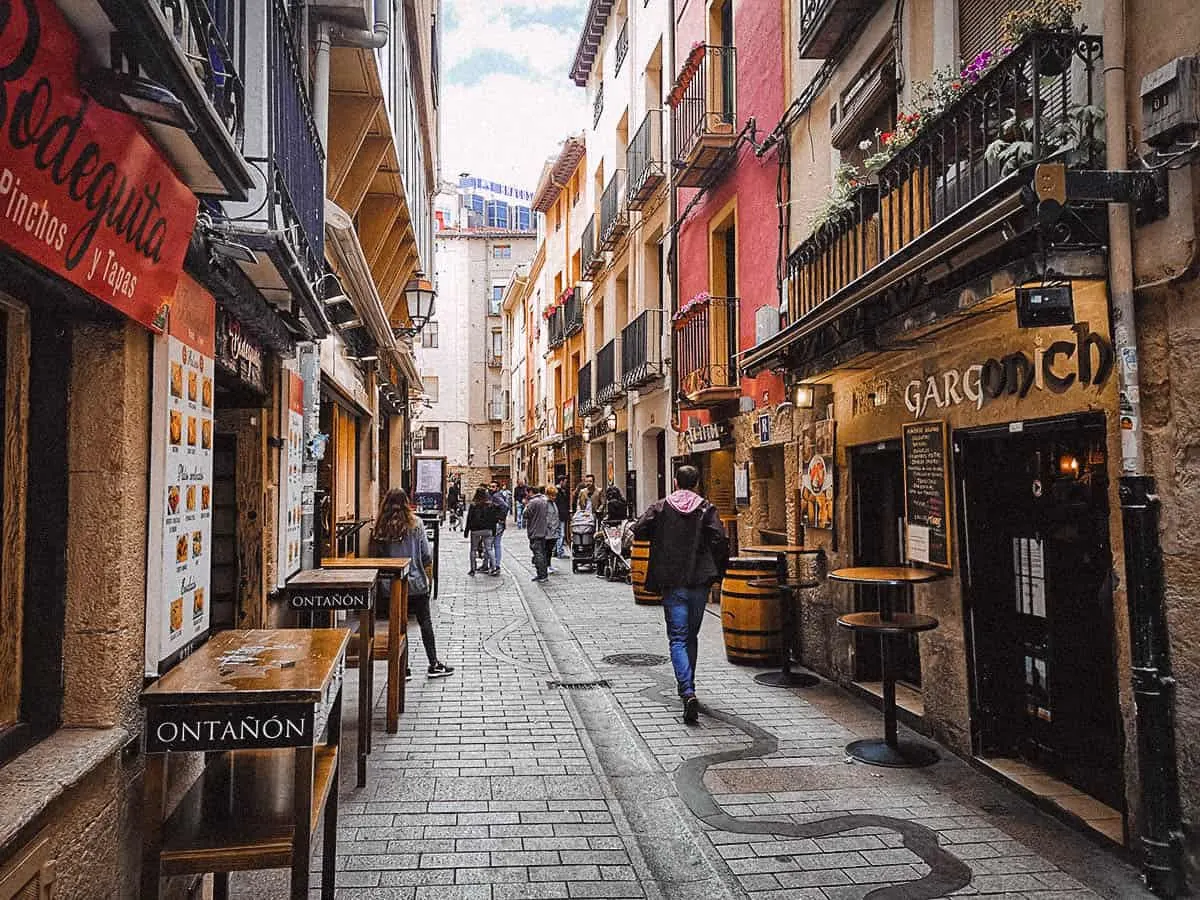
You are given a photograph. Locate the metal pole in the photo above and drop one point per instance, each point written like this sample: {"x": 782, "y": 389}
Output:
{"x": 1153, "y": 685}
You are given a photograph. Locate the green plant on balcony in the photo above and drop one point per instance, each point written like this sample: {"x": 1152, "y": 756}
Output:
{"x": 846, "y": 181}
{"x": 1038, "y": 15}
{"x": 1078, "y": 136}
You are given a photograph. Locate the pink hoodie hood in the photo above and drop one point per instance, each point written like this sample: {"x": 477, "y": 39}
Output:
{"x": 685, "y": 502}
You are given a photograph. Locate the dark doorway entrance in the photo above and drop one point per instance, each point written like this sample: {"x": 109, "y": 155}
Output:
{"x": 877, "y": 486}
{"x": 660, "y": 454}
{"x": 226, "y": 573}
{"x": 1037, "y": 582}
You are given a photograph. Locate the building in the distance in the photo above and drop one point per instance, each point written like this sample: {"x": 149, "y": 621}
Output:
{"x": 461, "y": 353}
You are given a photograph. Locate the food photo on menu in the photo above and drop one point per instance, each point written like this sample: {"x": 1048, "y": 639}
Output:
{"x": 205, "y": 496}
{"x": 176, "y": 427}
{"x": 193, "y": 385}
{"x": 172, "y": 499}
{"x": 197, "y": 543}
{"x": 191, "y": 431}
{"x": 181, "y": 548}
{"x": 206, "y": 402}
{"x": 176, "y": 615}
{"x": 198, "y": 602}
{"x": 206, "y": 434}
{"x": 177, "y": 380}
{"x": 191, "y": 498}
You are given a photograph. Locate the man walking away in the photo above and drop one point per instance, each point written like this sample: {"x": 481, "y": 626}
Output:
{"x": 688, "y": 553}
{"x": 481, "y": 529}
{"x": 501, "y": 502}
{"x": 520, "y": 495}
{"x": 562, "y": 499}
{"x": 540, "y": 518}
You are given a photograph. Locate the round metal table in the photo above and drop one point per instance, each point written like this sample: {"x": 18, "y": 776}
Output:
{"x": 786, "y": 677}
{"x": 888, "y": 625}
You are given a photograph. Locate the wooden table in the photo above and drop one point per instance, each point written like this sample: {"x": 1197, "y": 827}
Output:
{"x": 788, "y": 606}
{"x": 256, "y": 704}
{"x": 888, "y": 625}
{"x": 395, "y": 647}
{"x": 322, "y": 593}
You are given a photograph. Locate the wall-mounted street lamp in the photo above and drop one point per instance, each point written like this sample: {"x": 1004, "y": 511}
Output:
{"x": 421, "y": 298}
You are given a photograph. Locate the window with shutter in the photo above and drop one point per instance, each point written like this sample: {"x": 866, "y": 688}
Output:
{"x": 979, "y": 25}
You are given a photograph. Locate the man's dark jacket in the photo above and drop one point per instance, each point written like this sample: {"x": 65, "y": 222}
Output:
{"x": 563, "y": 502}
{"x": 688, "y": 546}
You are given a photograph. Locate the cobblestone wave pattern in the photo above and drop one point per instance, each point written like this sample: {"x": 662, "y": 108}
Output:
{"x": 946, "y": 873}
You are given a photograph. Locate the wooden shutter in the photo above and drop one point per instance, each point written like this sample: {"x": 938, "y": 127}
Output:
{"x": 979, "y": 25}
{"x": 31, "y": 876}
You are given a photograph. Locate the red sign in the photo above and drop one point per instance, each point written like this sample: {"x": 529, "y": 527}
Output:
{"x": 83, "y": 193}
{"x": 296, "y": 394}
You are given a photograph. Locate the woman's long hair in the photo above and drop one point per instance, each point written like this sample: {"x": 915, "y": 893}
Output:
{"x": 482, "y": 497}
{"x": 396, "y": 518}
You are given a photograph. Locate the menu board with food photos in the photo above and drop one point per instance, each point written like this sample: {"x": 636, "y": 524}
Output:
{"x": 292, "y": 475}
{"x": 181, "y": 482}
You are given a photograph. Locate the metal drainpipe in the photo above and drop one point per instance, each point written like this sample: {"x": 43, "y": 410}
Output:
{"x": 675, "y": 419}
{"x": 1153, "y": 684}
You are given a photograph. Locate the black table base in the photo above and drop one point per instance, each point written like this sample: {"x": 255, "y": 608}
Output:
{"x": 787, "y": 679}
{"x": 903, "y": 755}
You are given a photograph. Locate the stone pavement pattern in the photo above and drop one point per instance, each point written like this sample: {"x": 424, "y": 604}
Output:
{"x": 539, "y": 770}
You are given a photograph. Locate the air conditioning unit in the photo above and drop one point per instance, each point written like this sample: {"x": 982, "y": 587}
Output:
{"x": 1171, "y": 101}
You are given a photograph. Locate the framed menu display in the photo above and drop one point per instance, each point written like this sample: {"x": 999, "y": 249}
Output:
{"x": 181, "y": 484}
{"x": 430, "y": 483}
{"x": 816, "y": 474}
{"x": 927, "y": 493}
{"x": 291, "y": 473}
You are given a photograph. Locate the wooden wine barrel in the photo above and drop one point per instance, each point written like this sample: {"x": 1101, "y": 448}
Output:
{"x": 639, "y": 563}
{"x": 750, "y": 616}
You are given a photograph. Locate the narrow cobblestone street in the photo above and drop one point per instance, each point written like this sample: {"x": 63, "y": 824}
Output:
{"x": 544, "y": 768}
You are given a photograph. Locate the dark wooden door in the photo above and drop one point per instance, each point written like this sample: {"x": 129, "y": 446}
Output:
{"x": 1038, "y": 587}
{"x": 226, "y": 572}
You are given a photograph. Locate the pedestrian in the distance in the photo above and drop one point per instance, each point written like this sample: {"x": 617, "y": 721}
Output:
{"x": 481, "y": 529}
{"x": 520, "y": 495}
{"x": 399, "y": 533}
{"x": 500, "y": 500}
{"x": 688, "y": 553}
{"x": 541, "y": 514}
{"x": 562, "y": 500}
{"x": 453, "y": 499}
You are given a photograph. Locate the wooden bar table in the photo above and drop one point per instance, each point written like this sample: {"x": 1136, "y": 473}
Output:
{"x": 394, "y": 645}
{"x": 322, "y": 594}
{"x": 789, "y": 600}
{"x": 256, "y": 703}
{"x": 888, "y": 625}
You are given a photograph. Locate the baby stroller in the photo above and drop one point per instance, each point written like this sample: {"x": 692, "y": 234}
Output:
{"x": 614, "y": 550}
{"x": 583, "y": 542}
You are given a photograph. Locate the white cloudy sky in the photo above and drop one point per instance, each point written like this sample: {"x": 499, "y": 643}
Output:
{"x": 507, "y": 99}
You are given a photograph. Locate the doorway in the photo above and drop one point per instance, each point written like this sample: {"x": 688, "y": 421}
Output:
{"x": 877, "y": 487}
{"x": 226, "y": 573}
{"x": 660, "y": 455}
{"x": 1037, "y": 584}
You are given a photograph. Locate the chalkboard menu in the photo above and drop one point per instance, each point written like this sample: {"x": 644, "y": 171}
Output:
{"x": 927, "y": 493}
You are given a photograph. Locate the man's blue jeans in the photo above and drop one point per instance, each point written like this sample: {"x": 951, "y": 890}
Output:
{"x": 684, "y": 611}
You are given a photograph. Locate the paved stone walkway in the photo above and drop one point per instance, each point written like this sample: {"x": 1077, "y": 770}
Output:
{"x": 541, "y": 769}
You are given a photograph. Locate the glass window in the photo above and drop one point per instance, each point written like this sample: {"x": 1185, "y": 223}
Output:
{"x": 496, "y": 299}
{"x": 502, "y": 251}
{"x": 431, "y": 387}
{"x": 524, "y": 218}
{"x": 433, "y": 438}
{"x": 497, "y": 214}
{"x": 429, "y": 335}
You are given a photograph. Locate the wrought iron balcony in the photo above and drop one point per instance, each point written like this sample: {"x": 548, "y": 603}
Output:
{"x": 705, "y": 353}
{"x": 590, "y": 260}
{"x": 193, "y": 48}
{"x": 555, "y": 328}
{"x": 573, "y": 310}
{"x": 283, "y": 221}
{"x": 598, "y": 104}
{"x": 587, "y": 401}
{"x": 608, "y": 379}
{"x": 641, "y": 349}
{"x": 1034, "y": 106}
{"x": 644, "y": 156}
{"x": 824, "y": 24}
{"x": 704, "y": 114}
{"x": 614, "y": 211}
{"x": 622, "y": 48}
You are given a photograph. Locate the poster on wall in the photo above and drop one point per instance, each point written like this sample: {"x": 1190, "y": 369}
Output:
{"x": 741, "y": 484}
{"x": 816, "y": 474}
{"x": 927, "y": 493}
{"x": 429, "y": 483}
{"x": 181, "y": 483}
{"x": 292, "y": 473}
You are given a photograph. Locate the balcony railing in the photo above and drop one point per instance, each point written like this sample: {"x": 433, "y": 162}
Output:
{"x": 297, "y": 158}
{"x": 608, "y": 379}
{"x": 705, "y": 348}
{"x": 590, "y": 261}
{"x": 573, "y": 323}
{"x": 598, "y": 104}
{"x": 555, "y": 328}
{"x": 641, "y": 349}
{"x": 644, "y": 157}
{"x": 1029, "y": 108}
{"x": 622, "y": 48}
{"x": 495, "y": 360}
{"x": 614, "y": 211}
{"x": 704, "y": 116}
{"x": 194, "y": 47}
{"x": 834, "y": 255}
{"x": 824, "y": 23}
{"x": 587, "y": 400}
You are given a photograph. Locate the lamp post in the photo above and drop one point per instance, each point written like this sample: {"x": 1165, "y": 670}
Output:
{"x": 421, "y": 299}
